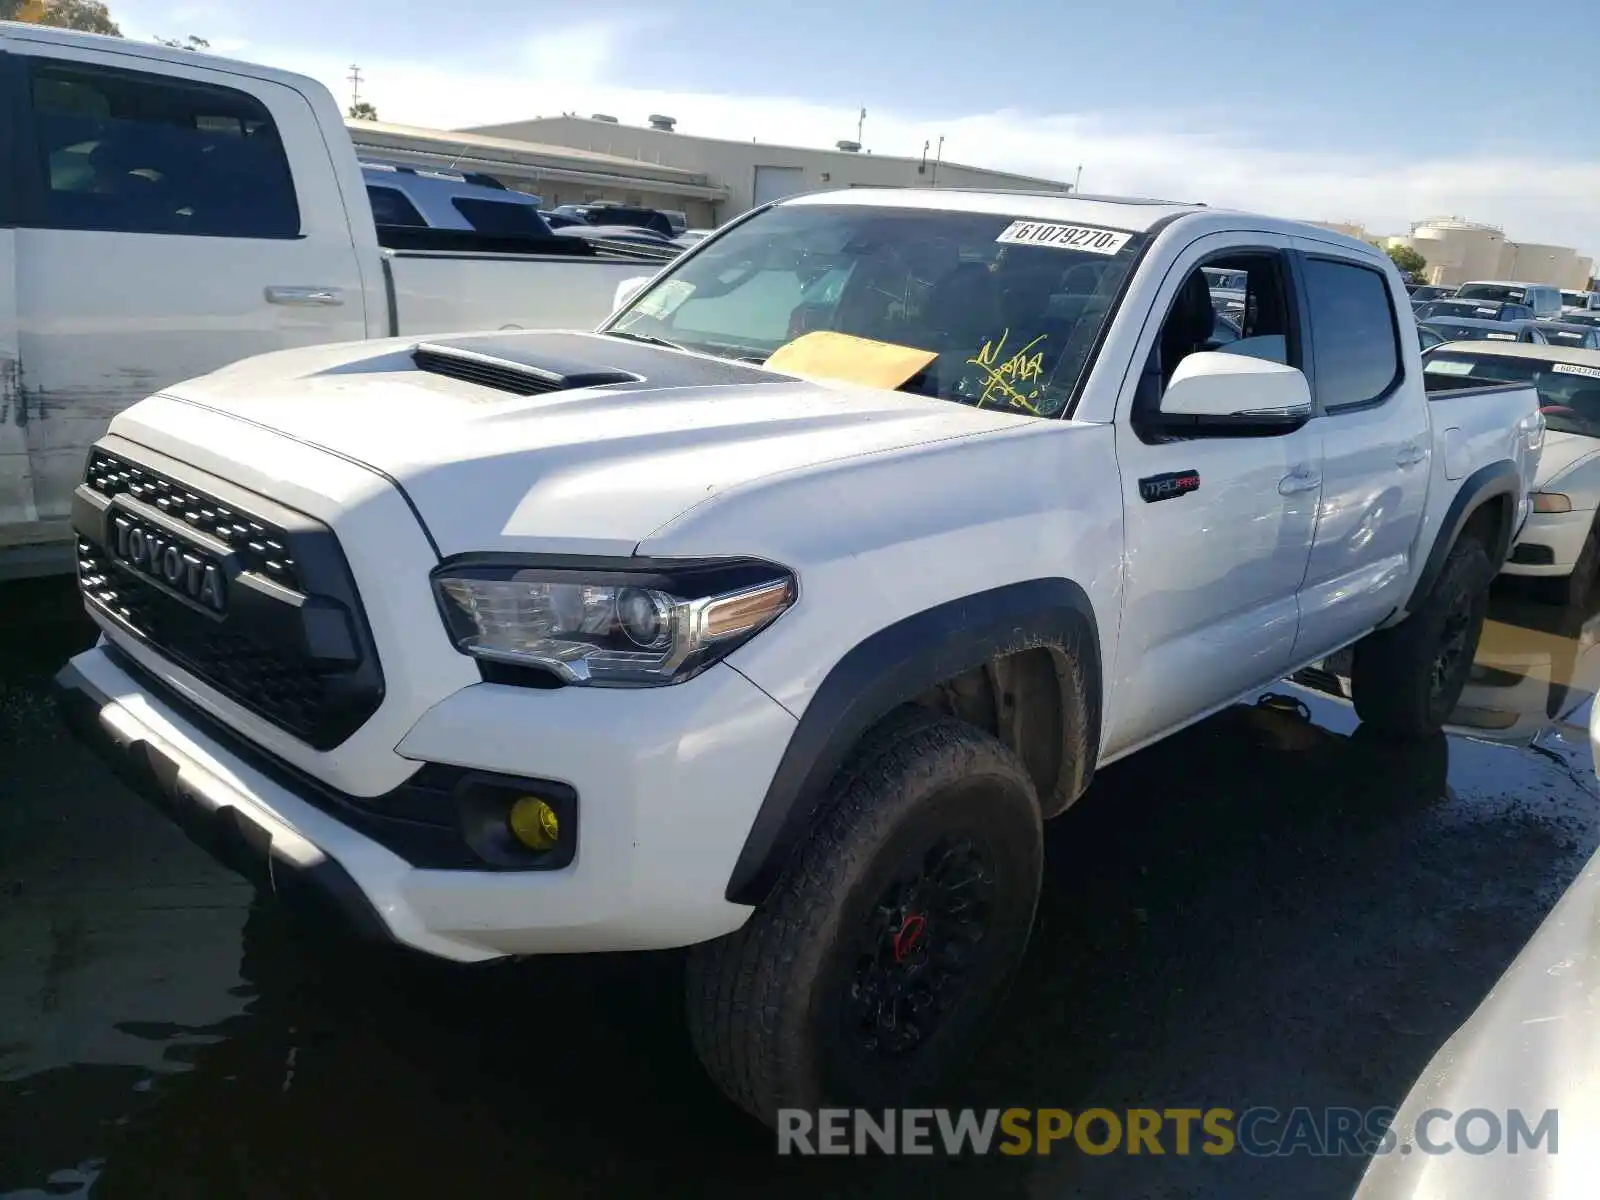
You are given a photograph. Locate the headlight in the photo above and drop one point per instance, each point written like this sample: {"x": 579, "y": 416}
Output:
{"x": 659, "y": 622}
{"x": 1551, "y": 502}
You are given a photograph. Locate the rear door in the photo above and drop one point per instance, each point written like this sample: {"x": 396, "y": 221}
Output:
{"x": 171, "y": 219}
{"x": 1376, "y": 442}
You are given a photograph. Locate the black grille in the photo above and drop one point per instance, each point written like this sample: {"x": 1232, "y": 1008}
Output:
{"x": 260, "y": 548}
{"x": 291, "y": 647}
{"x": 1533, "y": 555}
{"x": 504, "y": 376}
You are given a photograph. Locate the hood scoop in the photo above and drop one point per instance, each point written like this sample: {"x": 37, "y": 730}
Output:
{"x": 508, "y": 375}
{"x": 535, "y": 362}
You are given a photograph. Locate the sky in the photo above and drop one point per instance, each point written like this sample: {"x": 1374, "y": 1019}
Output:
{"x": 1377, "y": 111}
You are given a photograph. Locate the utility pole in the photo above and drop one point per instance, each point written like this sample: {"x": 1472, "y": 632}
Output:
{"x": 1077, "y": 180}
{"x": 922, "y": 167}
{"x": 860, "y": 121}
{"x": 355, "y": 85}
{"x": 937, "y": 158}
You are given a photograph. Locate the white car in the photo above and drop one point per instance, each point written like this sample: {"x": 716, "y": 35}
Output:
{"x": 773, "y": 618}
{"x": 171, "y": 212}
{"x": 1560, "y": 543}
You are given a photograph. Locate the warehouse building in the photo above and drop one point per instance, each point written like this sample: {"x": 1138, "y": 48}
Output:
{"x": 752, "y": 173}
{"x": 557, "y": 174}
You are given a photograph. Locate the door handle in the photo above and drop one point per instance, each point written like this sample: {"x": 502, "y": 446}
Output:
{"x": 1301, "y": 479}
{"x": 305, "y": 297}
{"x": 1410, "y": 454}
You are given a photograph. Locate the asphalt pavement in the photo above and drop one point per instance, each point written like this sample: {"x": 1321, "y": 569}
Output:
{"x": 1268, "y": 909}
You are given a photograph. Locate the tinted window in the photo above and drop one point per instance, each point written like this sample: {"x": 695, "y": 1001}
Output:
{"x": 1569, "y": 394}
{"x": 1492, "y": 291}
{"x": 1354, "y": 341}
{"x": 501, "y": 217}
{"x": 140, "y": 153}
{"x": 391, "y": 207}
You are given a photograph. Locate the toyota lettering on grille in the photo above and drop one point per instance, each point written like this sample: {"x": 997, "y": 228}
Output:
{"x": 168, "y": 560}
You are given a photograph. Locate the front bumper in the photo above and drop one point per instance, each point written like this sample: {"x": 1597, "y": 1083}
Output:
{"x": 669, "y": 781}
{"x": 1550, "y": 543}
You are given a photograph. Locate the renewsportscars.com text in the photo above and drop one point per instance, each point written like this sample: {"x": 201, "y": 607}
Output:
{"x": 1257, "y": 1131}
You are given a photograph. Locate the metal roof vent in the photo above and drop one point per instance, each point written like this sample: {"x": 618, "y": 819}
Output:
{"x": 606, "y": 117}
{"x": 664, "y": 124}
{"x": 849, "y": 147}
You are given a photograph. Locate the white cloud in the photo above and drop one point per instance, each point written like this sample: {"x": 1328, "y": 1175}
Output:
{"x": 576, "y": 68}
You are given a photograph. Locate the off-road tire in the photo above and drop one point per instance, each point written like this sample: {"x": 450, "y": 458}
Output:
{"x": 788, "y": 1011}
{"x": 1405, "y": 680}
{"x": 1573, "y": 589}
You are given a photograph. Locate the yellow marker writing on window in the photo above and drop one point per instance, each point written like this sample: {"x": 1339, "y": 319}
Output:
{"x": 1014, "y": 380}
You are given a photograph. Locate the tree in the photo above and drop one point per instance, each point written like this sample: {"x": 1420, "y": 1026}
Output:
{"x": 362, "y": 110}
{"x": 91, "y": 16}
{"x": 189, "y": 43}
{"x": 1411, "y": 263}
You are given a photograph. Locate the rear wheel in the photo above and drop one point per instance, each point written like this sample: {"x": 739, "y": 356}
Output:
{"x": 1405, "y": 680}
{"x": 874, "y": 965}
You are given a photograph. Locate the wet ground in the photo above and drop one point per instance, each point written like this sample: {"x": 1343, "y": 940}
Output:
{"x": 1264, "y": 910}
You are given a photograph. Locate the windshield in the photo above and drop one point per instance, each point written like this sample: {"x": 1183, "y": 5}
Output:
{"x": 1569, "y": 393}
{"x": 1575, "y": 299}
{"x": 1491, "y": 291}
{"x": 1562, "y": 335}
{"x": 1585, "y": 318}
{"x": 1011, "y": 309}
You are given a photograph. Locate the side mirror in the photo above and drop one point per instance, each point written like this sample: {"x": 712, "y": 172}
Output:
{"x": 627, "y": 290}
{"x": 1236, "y": 392}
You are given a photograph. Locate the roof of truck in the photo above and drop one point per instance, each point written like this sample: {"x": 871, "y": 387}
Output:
{"x": 147, "y": 51}
{"x": 1133, "y": 213}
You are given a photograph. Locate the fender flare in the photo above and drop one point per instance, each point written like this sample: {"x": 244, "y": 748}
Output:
{"x": 892, "y": 667}
{"x": 1483, "y": 485}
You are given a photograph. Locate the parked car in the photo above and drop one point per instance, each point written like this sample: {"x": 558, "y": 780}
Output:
{"x": 1471, "y": 329}
{"x": 1481, "y": 310}
{"x": 558, "y": 220}
{"x": 677, "y": 219}
{"x": 606, "y": 213}
{"x": 172, "y": 212}
{"x": 1572, "y": 334}
{"x": 1429, "y": 337}
{"x": 1579, "y": 302}
{"x": 631, "y": 234}
{"x": 692, "y": 237}
{"x": 1430, "y": 291}
{"x": 732, "y": 625}
{"x": 419, "y": 198}
{"x": 1590, "y": 319}
{"x": 1560, "y": 543}
{"x": 1541, "y": 297}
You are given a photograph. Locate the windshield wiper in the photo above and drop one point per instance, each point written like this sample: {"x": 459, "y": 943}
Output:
{"x": 648, "y": 338}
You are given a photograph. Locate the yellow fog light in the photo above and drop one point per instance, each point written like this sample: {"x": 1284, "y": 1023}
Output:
{"x": 534, "y": 823}
{"x": 1551, "y": 502}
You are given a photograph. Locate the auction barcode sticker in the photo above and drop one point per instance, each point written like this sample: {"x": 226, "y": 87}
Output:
{"x": 1574, "y": 369}
{"x": 1064, "y": 237}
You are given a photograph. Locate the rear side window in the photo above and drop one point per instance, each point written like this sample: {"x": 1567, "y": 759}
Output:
{"x": 501, "y": 217}
{"x": 390, "y": 206}
{"x": 141, "y": 153}
{"x": 1355, "y": 341}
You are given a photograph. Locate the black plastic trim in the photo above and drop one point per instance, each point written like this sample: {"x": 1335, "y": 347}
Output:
{"x": 1477, "y": 489}
{"x": 226, "y": 833}
{"x": 890, "y": 668}
{"x": 424, "y": 820}
{"x": 10, "y": 160}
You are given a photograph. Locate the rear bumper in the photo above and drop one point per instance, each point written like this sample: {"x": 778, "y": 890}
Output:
{"x": 667, "y": 779}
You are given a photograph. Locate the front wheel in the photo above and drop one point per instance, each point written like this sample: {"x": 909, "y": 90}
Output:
{"x": 892, "y": 936}
{"x": 1405, "y": 680}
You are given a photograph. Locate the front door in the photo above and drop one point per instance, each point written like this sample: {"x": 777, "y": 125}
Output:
{"x": 1376, "y": 452}
{"x": 1218, "y": 527}
{"x": 171, "y": 219}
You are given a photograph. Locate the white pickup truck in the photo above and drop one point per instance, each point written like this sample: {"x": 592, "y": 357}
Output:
{"x": 772, "y": 618}
{"x": 163, "y": 213}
